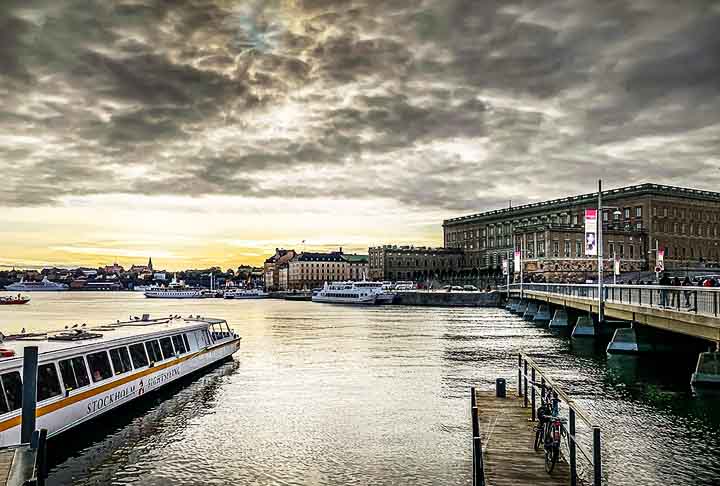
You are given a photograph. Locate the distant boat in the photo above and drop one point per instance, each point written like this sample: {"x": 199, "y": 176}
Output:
{"x": 352, "y": 293}
{"x": 19, "y": 300}
{"x": 44, "y": 285}
{"x": 175, "y": 290}
{"x": 246, "y": 294}
{"x": 142, "y": 288}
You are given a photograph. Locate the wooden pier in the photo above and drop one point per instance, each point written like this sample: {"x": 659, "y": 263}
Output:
{"x": 507, "y": 435}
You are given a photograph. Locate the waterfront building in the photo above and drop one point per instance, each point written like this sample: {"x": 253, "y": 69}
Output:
{"x": 113, "y": 269}
{"x": 272, "y": 266}
{"x": 311, "y": 270}
{"x": 357, "y": 267}
{"x": 683, "y": 222}
{"x": 392, "y": 262}
{"x": 140, "y": 269}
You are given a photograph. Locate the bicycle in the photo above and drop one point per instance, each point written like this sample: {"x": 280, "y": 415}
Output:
{"x": 550, "y": 430}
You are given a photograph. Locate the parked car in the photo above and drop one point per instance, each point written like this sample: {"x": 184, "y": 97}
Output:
{"x": 457, "y": 287}
{"x": 471, "y": 288}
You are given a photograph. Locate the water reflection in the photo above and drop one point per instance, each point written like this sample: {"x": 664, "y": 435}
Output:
{"x": 107, "y": 449}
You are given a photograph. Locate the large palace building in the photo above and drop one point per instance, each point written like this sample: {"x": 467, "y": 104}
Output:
{"x": 636, "y": 221}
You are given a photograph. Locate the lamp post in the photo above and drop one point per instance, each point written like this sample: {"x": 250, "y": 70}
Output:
{"x": 600, "y": 218}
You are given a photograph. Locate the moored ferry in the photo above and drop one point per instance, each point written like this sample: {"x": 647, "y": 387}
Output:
{"x": 86, "y": 372}
{"x": 31, "y": 286}
{"x": 246, "y": 294}
{"x": 352, "y": 293}
{"x": 177, "y": 290}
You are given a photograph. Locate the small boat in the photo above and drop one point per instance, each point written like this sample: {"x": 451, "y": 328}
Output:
{"x": 19, "y": 300}
{"x": 246, "y": 294}
{"x": 84, "y": 374}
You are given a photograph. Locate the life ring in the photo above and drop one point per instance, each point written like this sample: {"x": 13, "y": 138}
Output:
{"x": 6, "y": 353}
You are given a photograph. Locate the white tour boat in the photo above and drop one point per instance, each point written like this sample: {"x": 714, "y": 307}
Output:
{"x": 363, "y": 292}
{"x": 246, "y": 294}
{"x": 44, "y": 285}
{"x": 176, "y": 290}
{"x": 86, "y": 372}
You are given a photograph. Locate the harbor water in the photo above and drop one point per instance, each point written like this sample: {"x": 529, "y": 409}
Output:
{"x": 339, "y": 395}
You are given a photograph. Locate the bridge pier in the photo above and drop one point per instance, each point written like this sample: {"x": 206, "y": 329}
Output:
{"x": 584, "y": 327}
{"x": 707, "y": 371}
{"x": 560, "y": 320}
{"x": 521, "y": 307}
{"x": 542, "y": 316}
{"x": 531, "y": 310}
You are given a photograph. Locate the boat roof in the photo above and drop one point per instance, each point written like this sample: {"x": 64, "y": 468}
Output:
{"x": 111, "y": 335}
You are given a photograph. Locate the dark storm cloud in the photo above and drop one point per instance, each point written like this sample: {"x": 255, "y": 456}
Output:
{"x": 454, "y": 104}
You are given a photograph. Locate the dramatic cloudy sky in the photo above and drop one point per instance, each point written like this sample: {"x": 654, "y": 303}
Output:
{"x": 205, "y": 132}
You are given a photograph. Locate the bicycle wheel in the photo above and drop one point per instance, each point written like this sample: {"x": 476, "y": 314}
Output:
{"x": 539, "y": 437}
{"x": 551, "y": 457}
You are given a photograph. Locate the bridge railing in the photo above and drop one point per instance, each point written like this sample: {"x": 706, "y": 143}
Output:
{"x": 691, "y": 299}
{"x": 531, "y": 381}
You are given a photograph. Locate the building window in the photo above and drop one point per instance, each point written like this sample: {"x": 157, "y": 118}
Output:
{"x": 578, "y": 248}
{"x": 605, "y": 215}
{"x": 665, "y": 212}
{"x": 575, "y": 219}
{"x": 654, "y": 211}
{"x": 638, "y": 226}
{"x": 631, "y": 249}
{"x": 621, "y": 251}
{"x": 566, "y": 248}
{"x": 626, "y": 213}
{"x": 638, "y": 212}
{"x": 612, "y": 248}
{"x": 556, "y": 248}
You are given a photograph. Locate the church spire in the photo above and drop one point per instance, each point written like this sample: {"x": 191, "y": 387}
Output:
{"x": 150, "y": 264}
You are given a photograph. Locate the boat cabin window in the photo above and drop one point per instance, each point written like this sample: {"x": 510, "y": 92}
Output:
{"x": 12, "y": 391}
{"x": 74, "y": 373}
{"x": 179, "y": 344}
{"x": 209, "y": 338}
{"x": 153, "y": 351}
{"x": 137, "y": 353}
{"x": 99, "y": 365}
{"x": 12, "y": 386}
{"x": 167, "y": 348}
{"x": 120, "y": 360}
{"x": 48, "y": 383}
{"x": 187, "y": 343}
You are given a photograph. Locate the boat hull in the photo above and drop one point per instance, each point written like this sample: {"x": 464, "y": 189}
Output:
{"x": 343, "y": 300}
{"x": 67, "y": 412}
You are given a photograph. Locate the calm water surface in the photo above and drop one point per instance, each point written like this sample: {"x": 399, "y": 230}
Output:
{"x": 338, "y": 395}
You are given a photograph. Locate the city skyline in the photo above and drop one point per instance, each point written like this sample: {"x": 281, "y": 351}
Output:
{"x": 211, "y": 132}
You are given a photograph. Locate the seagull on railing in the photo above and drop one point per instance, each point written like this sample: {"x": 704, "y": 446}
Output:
{"x": 22, "y": 331}
{"x": 66, "y": 327}
{"x": 74, "y": 325}
{"x": 84, "y": 324}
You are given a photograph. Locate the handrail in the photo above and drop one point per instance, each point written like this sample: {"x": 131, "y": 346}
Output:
{"x": 525, "y": 362}
{"x": 516, "y": 286}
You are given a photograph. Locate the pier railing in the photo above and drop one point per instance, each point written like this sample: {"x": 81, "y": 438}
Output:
{"x": 691, "y": 299}
{"x": 532, "y": 380}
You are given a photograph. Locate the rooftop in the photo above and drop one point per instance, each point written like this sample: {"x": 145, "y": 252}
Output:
{"x": 639, "y": 189}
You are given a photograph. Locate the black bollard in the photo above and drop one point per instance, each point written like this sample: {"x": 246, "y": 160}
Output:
{"x": 29, "y": 391}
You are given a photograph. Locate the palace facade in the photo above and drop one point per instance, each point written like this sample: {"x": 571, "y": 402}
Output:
{"x": 637, "y": 220}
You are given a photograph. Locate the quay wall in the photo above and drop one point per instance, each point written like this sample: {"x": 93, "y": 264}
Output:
{"x": 450, "y": 299}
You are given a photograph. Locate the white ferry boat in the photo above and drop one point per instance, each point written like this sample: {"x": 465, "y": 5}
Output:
{"x": 84, "y": 373}
{"x": 176, "y": 290}
{"x": 44, "y": 285}
{"x": 246, "y": 294}
{"x": 352, "y": 293}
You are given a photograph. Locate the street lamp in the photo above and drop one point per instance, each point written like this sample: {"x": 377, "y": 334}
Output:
{"x": 599, "y": 220}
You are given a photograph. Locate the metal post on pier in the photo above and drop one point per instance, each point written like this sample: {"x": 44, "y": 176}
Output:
{"x": 29, "y": 390}
{"x": 525, "y": 397}
{"x": 519, "y": 375}
{"x": 597, "y": 462}
{"x": 533, "y": 394}
{"x": 573, "y": 452}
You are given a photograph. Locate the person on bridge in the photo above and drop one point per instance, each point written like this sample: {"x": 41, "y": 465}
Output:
{"x": 686, "y": 293}
{"x": 664, "y": 282}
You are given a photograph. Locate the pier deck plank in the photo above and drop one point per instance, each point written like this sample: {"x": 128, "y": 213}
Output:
{"x": 6, "y": 459}
{"x": 507, "y": 435}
